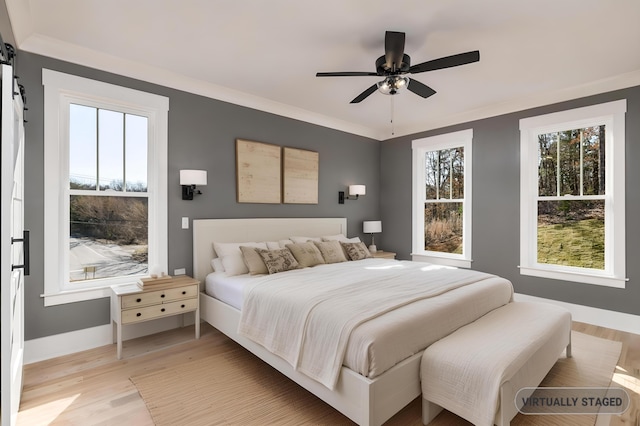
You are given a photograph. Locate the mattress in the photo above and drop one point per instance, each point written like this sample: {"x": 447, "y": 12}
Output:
{"x": 382, "y": 342}
{"x": 229, "y": 290}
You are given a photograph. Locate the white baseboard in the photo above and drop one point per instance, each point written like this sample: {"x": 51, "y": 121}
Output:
{"x": 81, "y": 340}
{"x": 602, "y": 317}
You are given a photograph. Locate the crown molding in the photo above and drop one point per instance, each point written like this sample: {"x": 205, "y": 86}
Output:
{"x": 57, "y": 49}
{"x": 54, "y": 48}
{"x": 622, "y": 81}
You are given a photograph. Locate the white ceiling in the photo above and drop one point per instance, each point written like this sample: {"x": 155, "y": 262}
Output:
{"x": 264, "y": 54}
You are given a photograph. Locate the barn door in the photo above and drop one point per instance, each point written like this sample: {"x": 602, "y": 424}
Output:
{"x": 14, "y": 259}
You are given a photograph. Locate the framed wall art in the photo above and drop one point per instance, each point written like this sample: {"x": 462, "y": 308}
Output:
{"x": 300, "y": 176}
{"x": 258, "y": 172}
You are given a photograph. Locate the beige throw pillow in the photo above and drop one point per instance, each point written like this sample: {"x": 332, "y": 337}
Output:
{"x": 307, "y": 254}
{"x": 253, "y": 261}
{"x": 342, "y": 239}
{"x": 356, "y": 251}
{"x": 331, "y": 251}
{"x": 278, "y": 260}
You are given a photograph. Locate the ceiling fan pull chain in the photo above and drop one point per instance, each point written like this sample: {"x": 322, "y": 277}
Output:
{"x": 392, "y": 125}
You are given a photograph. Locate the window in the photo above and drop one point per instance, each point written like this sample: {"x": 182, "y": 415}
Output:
{"x": 105, "y": 186}
{"x": 572, "y": 195}
{"x": 442, "y": 199}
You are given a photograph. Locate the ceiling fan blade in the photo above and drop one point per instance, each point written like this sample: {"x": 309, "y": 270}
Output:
{"x": 447, "y": 62}
{"x": 344, "y": 74}
{"x": 393, "y": 49}
{"x": 420, "y": 89}
{"x": 364, "y": 94}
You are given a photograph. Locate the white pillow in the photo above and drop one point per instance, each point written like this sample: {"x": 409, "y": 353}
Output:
{"x": 299, "y": 240}
{"x": 283, "y": 243}
{"x": 231, "y": 256}
{"x": 216, "y": 264}
{"x": 341, "y": 238}
{"x": 337, "y": 237}
{"x": 273, "y": 245}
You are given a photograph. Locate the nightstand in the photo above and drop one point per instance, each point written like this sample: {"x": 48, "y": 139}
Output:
{"x": 384, "y": 254}
{"x": 131, "y": 304}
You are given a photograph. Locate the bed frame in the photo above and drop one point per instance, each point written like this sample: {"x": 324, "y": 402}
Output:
{"x": 363, "y": 400}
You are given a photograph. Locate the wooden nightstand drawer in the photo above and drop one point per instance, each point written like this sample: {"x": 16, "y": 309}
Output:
{"x": 182, "y": 292}
{"x": 384, "y": 254}
{"x": 157, "y": 311}
{"x": 160, "y": 296}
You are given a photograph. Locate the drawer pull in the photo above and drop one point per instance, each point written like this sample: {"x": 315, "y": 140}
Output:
{"x": 182, "y": 306}
{"x": 162, "y": 296}
{"x": 138, "y": 314}
{"x": 138, "y": 300}
{"x": 184, "y": 292}
{"x": 162, "y": 310}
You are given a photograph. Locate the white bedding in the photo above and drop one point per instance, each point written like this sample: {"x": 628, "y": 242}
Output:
{"x": 229, "y": 290}
{"x": 376, "y": 345}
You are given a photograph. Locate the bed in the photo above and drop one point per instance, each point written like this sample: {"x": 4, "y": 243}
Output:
{"x": 372, "y": 386}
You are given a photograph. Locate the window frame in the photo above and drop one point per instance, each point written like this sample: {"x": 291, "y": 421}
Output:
{"x": 612, "y": 115}
{"x": 420, "y": 147}
{"x": 60, "y": 91}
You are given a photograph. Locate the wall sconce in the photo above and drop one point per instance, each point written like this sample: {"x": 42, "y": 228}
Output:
{"x": 354, "y": 192}
{"x": 372, "y": 227}
{"x": 189, "y": 179}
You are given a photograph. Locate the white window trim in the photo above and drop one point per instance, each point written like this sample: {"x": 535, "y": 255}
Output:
{"x": 59, "y": 90}
{"x": 419, "y": 147}
{"x": 612, "y": 115}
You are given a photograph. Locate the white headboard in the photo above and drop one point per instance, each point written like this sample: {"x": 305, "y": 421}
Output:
{"x": 207, "y": 231}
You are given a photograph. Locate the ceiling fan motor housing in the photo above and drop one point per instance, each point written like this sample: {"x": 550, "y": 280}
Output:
{"x": 382, "y": 68}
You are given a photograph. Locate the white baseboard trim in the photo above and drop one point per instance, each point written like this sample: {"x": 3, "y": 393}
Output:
{"x": 602, "y": 317}
{"x": 48, "y": 347}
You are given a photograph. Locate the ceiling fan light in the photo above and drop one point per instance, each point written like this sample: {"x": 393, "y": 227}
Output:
{"x": 391, "y": 85}
{"x": 384, "y": 86}
{"x": 401, "y": 82}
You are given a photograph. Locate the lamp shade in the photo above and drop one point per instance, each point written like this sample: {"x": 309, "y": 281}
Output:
{"x": 193, "y": 177}
{"x": 372, "y": 226}
{"x": 357, "y": 189}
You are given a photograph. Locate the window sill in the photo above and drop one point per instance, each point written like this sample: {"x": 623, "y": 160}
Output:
{"x": 441, "y": 260}
{"x": 76, "y": 296}
{"x": 595, "y": 279}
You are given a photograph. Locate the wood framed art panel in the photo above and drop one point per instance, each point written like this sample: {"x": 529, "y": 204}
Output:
{"x": 258, "y": 172}
{"x": 300, "y": 176}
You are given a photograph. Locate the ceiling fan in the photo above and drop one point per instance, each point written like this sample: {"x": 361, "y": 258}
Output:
{"x": 395, "y": 63}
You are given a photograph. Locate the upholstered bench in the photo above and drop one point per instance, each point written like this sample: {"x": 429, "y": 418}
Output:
{"x": 476, "y": 371}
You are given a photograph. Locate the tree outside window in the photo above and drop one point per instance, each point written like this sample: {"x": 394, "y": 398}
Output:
{"x": 442, "y": 199}
{"x": 572, "y": 195}
{"x": 572, "y": 166}
{"x": 108, "y": 209}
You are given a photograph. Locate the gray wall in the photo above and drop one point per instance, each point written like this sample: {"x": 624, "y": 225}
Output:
{"x": 202, "y": 135}
{"x": 496, "y": 203}
{"x": 202, "y": 132}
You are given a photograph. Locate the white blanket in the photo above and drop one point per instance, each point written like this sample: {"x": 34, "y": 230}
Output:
{"x": 306, "y": 316}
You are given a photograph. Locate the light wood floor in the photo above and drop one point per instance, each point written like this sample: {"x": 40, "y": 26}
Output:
{"x": 92, "y": 387}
